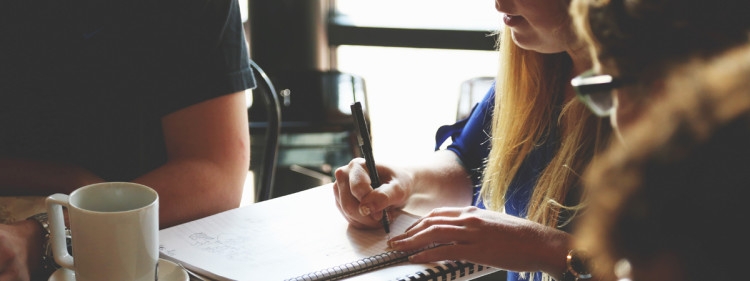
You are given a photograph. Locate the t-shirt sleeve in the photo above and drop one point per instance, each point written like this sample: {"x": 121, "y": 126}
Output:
{"x": 471, "y": 136}
{"x": 213, "y": 56}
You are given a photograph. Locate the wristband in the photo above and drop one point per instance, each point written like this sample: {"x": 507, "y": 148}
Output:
{"x": 48, "y": 259}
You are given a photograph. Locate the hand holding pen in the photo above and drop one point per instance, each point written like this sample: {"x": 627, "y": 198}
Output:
{"x": 365, "y": 145}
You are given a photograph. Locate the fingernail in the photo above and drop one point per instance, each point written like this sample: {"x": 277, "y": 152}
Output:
{"x": 393, "y": 244}
{"x": 364, "y": 210}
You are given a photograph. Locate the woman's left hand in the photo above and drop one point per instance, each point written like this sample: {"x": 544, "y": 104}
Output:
{"x": 485, "y": 237}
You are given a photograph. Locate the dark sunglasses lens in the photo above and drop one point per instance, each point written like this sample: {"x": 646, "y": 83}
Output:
{"x": 595, "y": 91}
{"x": 602, "y": 101}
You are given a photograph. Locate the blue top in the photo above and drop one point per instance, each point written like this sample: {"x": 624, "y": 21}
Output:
{"x": 471, "y": 140}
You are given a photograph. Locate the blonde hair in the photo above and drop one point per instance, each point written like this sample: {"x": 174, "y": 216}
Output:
{"x": 529, "y": 104}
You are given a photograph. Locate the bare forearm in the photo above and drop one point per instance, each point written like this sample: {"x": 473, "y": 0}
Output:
{"x": 208, "y": 151}
{"x": 440, "y": 181}
{"x": 192, "y": 189}
{"x": 23, "y": 177}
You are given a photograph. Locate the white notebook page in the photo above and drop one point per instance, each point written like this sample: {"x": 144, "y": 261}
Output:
{"x": 280, "y": 239}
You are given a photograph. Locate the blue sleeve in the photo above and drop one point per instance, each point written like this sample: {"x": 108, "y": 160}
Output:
{"x": 471, "y": 136}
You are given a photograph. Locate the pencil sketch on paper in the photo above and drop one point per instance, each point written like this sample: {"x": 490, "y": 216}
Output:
{"x": 230, "y": 246}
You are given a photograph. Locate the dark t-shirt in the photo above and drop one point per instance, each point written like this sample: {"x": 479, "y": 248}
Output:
{"x": 88, "y": 83}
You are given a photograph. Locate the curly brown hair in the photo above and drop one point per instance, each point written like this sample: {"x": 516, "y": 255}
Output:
{"x": 645, "y": 38}
{"x": 679, "y": 187}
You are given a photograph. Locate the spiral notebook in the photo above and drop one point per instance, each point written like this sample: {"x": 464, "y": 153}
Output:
{"x": 447, "y": 270}
{"x": 301, "y": 236}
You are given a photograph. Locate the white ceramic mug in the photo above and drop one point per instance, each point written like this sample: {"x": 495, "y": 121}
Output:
{"x": 114, "y": 229}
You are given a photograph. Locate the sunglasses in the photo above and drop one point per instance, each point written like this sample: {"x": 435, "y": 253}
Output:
{"x": 595, "y": 91}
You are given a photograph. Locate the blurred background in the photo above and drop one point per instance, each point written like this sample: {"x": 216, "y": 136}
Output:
{"x": 414, "y": 64}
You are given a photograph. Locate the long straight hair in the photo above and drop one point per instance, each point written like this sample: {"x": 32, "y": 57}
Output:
{"x": 531, "y": 101}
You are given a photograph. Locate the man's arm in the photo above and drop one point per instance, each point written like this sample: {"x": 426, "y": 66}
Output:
{"x": 23, "y": 177}
{"x": 208, "y": 158}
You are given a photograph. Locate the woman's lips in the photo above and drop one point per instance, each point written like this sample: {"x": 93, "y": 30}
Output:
{"x": 511, "y": 20}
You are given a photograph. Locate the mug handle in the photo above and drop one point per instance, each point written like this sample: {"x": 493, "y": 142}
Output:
{"x": 54, "y": 203}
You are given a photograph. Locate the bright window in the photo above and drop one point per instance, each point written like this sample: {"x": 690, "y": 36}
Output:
{"x": 413, "y": 91}
{"x": 427, "y": 14}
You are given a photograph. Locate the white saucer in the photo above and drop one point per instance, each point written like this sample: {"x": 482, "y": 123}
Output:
{"x": 168, "y": 271}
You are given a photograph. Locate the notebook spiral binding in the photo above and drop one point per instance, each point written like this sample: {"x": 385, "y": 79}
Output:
{"x": 355, "y": 267}
{"x": 448, "y": 270}
{"x": 445, "y": 271}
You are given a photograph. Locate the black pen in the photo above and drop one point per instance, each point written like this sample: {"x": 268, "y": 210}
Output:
{"x": 365, "y": 145}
